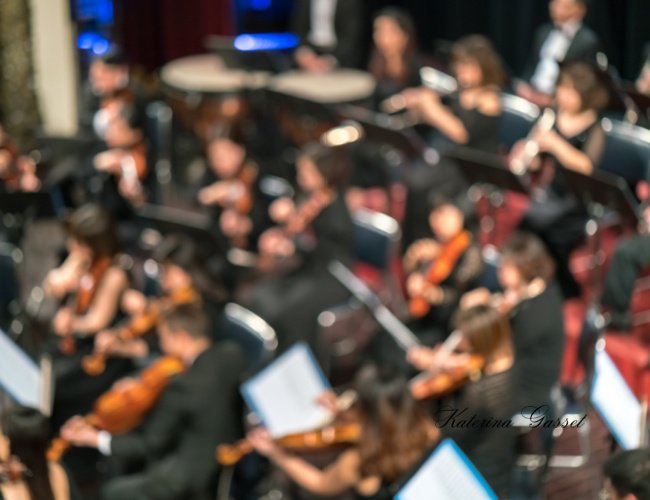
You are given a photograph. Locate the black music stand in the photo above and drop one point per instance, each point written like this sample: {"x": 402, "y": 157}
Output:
{"x": 391, "y": 130}
{"x": 602, "y": 194}
{"x": 490, "y": 177}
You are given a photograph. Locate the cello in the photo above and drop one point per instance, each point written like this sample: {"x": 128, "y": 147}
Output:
{"x": 123, "y": 408}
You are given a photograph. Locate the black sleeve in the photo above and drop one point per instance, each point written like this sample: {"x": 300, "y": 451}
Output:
{"x": 533, "y": 56}
{"x": 159, "y": 430}
{"x": 300, "y": 19}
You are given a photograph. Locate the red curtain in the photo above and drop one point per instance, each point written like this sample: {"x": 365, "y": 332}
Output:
{"x": 154, "y": 32}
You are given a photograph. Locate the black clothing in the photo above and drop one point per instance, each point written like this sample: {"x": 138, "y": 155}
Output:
{"x": 435, "y": 326}
{"x": 630, "y": 257}
{"x": 291, "y": 303}
{"x": 583, "y": 48}
{"x": 489, "y": 442}
{"x": 555, "y": 215}
{"x": 482, "y": 129}
{"x": 388, "y": 87}
{"x": 348, "y": 35}
{"x": 538, "y": 339}
{"x": 198, "y": 410}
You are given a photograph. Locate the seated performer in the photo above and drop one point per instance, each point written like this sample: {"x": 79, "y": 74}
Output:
{"x": 313, "y": 231}
{"x": 490, "y": 398}
{"x": 17, "y": 172}
{"x": 627, "y": 475}
{"x": 395, "y": 434}
{"x": 440, "y": 270}
{"x": 24, "y": 440}
{"x": 576, "y": 141}
{"x": 197, "y": 411}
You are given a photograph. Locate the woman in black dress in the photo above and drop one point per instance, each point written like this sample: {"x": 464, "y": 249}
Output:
{"x": 479, "y": 420}
{"x": 314, "y": 231}
{"x": 575, "y": 142}
{"x": 468, "y": 118}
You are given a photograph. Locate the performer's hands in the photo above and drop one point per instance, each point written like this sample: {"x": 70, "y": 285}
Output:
{"x": 78, "y": 432}
{"x": 422, "y": 358}
{"x": 281, "y": 209}
{"x": 262, "y": 442}
{"x": 421, "y": 251}
{"x": 63, "y": 322}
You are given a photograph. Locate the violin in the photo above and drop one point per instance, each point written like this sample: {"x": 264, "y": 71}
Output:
{"x": 440, "y": 269}
{"x": 88, "y": 287}
{"x": 121, "y": 409}
{"x": 13, "y": 470}
{"x": 326, "y": 437}
{"x": 95, "y": 364}
{"x": 433, "y": 386}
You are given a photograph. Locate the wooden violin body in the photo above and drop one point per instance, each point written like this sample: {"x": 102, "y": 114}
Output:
{"x": 122, "y": 409}
{"x": 440, "y": 270}
{"x": 319, "y": 439}
{"x": 433, "y": 386}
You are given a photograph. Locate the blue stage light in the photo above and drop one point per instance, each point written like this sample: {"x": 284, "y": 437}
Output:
{"x": 250, "y": 42}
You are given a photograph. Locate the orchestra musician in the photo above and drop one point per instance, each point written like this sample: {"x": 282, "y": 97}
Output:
{"x": 469, "y": 118}
{"x": 440, "y": 269}
{"x": 627, "y": 475}
{"x": 125, "y": 159}
{"x": 314, "y": 230}
{"x": 198, "y": 410}
{"x": 490, "y": 399}
{"x": 183, "y": 280}
{"x": 25, "y": 437}
{"x": 533, "y": 301}
{"x": 17, "y": 172}
{"x": 108, "y": 88}
{"x": 576, "y": 141}
{"x": 566, "y": 39}
{"x": 231, "y": 184}
{"x": 395, "y": 435}
{"x": 92, "y": 279}
{"x": 329, "y": 34}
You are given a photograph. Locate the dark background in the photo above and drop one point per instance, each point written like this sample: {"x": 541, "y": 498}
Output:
{"x": 156, "y": 31}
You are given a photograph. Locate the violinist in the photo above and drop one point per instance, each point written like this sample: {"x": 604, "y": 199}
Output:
{"x": 533, "y": 300}
{"x": 576, "y": 142}
{"x": 314, "y": 230}
{"x": 231, "y": 185}
{"x": 198, "y": 410}
{"x": 469, "y": 118}
{"x": 90, "y": 282}
{"x": 395, "y": 435}
{"x": 124, "y": 160}
{"x": 109, "y": 86}
{"x": 25, "y": 437}
{"x": 440, "y": 269}
{"x": 183, "y": 280}
{"x": 17, "y": 172}
{"x": 488, "y": 399}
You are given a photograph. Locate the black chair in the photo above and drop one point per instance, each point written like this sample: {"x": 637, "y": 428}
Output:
{"x": 254, "y": 335}
{"x": 517, "y": 119}
{"x": 627, "y": 151}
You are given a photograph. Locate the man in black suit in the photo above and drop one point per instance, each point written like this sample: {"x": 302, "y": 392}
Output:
{"x": 330, "y": 33}
{"x": 565, "y": 39}
{"x": 197, "y": 411}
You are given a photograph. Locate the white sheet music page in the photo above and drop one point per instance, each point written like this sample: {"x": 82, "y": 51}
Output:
{"x": 19, "y": 375}
{"x": 446, "y": 475}
{"x": 616, "y": 403}
{"x": 284, "y": 394}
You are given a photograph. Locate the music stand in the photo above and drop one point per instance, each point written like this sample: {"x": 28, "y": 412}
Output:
{"x": 196, "y": 225}
{"x": 391, "y": 130}
{"x": 488, "y": 174}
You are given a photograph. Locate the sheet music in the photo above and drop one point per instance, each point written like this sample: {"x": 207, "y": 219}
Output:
{"x": 616, "y": 403}
{"x": 446, "y": 475}
{"x": 284, "y": 394}
{"x": 19, "y": 375}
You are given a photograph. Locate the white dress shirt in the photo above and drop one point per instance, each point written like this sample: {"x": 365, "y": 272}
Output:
{"x": 322, "y": 32}
{"x": 553, "y": 52}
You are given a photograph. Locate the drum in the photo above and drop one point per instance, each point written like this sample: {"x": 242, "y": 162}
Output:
{"x": 202, "y": 91}
{"x": 306, "y": 103}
